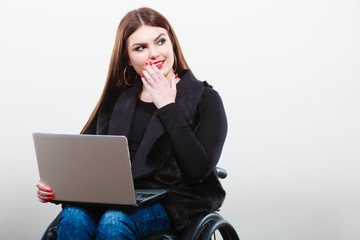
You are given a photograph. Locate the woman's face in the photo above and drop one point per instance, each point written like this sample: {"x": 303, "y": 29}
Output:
{"x": 153, "y": 44}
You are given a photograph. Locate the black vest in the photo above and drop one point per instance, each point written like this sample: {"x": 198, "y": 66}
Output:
{"x": 189, "y": 91}
{"x": 154, "y": 164}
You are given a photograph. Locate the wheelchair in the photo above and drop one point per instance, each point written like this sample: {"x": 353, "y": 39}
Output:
{"x": 203, "y": 227}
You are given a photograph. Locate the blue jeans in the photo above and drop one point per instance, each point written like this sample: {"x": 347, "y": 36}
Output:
{"x": 80, "y": 222}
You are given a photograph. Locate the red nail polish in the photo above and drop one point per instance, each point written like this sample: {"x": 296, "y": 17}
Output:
{"x": 150, "y": 63}
{"x": 142, "y": 75}
{"x": 143, "y": 69}
{"x": 176, "y": 76}
{"x": 51, "y": 198}
{"x": 48, "y": 190}
{"x": 146, "y": 64}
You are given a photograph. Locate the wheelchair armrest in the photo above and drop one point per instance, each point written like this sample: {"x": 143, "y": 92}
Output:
{"x": 51, "y": 231}
{"x": 221, "y": 173}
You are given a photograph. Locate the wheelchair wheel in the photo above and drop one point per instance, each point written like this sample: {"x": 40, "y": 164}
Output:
{"x": 219, "y": 229}
{"x": 210, "y": 226}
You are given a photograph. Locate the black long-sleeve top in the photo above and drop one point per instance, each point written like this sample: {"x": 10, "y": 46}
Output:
{"x": 197, "y": 153}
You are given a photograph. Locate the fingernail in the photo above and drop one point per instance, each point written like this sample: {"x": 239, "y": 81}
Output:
{"x": 146, "y": 64}
{"x": 51, "y": 198}
{"x": 51, "y": 195}
{"x": 143, "y": 69}
{"x": 48, "y": 190}
{"x": 150, "y": 63}
{"x": 142, "y": 75}
{"x": 176, "y": 76}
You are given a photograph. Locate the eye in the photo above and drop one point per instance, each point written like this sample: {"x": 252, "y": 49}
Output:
{"x": 161, "y": 41}
{"x": 140, "y": 48}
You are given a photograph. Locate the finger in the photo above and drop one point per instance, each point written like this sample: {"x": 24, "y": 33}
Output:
{"x": 158, "y": 73}
{"x": 173, "y": 81}
{"x": 43, "y": 187}
{"x": 145, "y": 82}
{"x": 151, "y": 69}
{"x": 148, "y": 78}
{"x": 45, "y": 193}
{"x": 45, "y": 197}
{"x": 45, "y": 200}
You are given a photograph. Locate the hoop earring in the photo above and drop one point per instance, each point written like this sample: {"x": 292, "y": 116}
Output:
{"x": 124, "y": 76}
{"x": 175, "y": 63}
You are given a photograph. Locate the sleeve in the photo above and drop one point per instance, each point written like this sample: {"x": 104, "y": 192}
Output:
{"x": 197, "y": 153}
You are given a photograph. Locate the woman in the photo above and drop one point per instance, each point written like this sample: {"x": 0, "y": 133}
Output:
{"x": 175, "y": 125}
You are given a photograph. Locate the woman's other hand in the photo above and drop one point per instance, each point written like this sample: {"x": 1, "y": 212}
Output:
{"x": 160, "y": 89}
{"x": 44, "y": 192}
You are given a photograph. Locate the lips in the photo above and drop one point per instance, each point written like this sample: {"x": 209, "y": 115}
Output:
{"x": 159, "y": 64}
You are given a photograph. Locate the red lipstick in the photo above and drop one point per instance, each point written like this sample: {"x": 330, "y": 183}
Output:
{"x": 159, "y": 63}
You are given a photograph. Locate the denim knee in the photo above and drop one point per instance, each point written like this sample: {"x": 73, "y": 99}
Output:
{"x": 93, "y": 223}
{"x": 133, "y": 223}
{"x": 77, "y": 222}
{"x": 115, "y": 224}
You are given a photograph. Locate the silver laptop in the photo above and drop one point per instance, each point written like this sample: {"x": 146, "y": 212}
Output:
{"x": 89, "y": 169}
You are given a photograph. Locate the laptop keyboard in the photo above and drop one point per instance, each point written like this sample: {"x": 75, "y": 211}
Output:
{"x": 140, "y": 196}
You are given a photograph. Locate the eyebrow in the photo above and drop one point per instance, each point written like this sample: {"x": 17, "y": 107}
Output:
{"x": 160, "y": 35}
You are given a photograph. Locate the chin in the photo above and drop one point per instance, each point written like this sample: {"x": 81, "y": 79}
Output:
{"x": 169, "y": 73}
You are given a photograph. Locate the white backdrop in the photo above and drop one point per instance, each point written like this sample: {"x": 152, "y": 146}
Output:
{"x": 288, "y": 73}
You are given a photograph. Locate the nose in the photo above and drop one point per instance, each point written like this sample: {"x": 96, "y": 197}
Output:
{"x": 154, "y": 54}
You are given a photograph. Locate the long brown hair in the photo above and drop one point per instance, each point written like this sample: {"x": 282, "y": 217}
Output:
{"x": 120, "y": 75}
